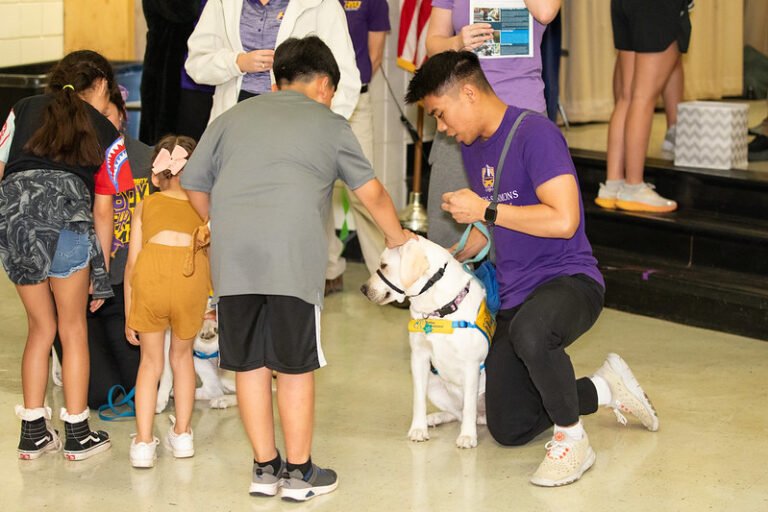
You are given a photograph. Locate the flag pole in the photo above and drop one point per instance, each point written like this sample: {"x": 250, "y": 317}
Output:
{"x": 414, "y": 216}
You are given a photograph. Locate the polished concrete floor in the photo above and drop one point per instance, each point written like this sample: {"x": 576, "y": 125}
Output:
{"x": 709, "y": 454}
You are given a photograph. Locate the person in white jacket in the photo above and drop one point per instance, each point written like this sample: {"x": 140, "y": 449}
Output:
{"x": 217, "y": 57}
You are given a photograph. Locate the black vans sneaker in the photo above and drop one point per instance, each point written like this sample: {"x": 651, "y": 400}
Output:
{"x": 82, "y": 442}
{"x": 37, "y": 434}
{"x": 301, "y": 487}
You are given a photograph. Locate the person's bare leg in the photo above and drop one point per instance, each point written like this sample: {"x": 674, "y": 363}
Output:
{"x": 623, "y": 77}
{"x": 71, "y": 298}
{"x": 673, "y": 93}
{"x": 41, "y": 329}
{"x": 184, "y": 382}
{"x": 150, "y": 369}
{"x": 254, "y": 400}
{"x": 296, "y": 404}
{"x": 650, "y": 74}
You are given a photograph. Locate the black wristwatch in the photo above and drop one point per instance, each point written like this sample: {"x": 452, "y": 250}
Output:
{"x": 490, "y": 213}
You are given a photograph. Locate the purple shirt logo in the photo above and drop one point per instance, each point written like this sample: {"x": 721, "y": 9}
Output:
{"x": 489, "y": 173}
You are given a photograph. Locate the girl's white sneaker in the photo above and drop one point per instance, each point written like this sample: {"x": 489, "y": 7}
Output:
{"x": 143, "y": 455}
{"x": 182, "y": 445}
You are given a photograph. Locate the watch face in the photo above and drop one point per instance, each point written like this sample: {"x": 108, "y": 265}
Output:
{"x": 490, "y": 214}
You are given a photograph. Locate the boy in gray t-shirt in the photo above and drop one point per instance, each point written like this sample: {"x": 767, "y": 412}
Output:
{"x": 264, "y": 172}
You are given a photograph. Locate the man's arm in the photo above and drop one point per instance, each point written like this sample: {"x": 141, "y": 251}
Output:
{"x": 377, "y": 201}
{"x": 376, "y": 49}
{"x": 200, "y": 201}
{"x": 556, "y": 217}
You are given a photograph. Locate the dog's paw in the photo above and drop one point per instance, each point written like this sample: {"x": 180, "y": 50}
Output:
{"x": 418, "y": 434}
{"x": 466, "y": 441}
{"x": 162, "y": 403}
{"x": 222, "y": 402}
{"x": 438, "y": 418}
{"x": 203, "y": 393}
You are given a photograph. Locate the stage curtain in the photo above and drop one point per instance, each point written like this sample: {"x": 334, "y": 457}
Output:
{"x": 755, "y": 23}
{"x": 713, "y": 66}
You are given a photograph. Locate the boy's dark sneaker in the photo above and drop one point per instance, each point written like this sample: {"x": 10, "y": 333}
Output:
{"x": 265, "y": 482}
{"x": 300, "y": 487}
{"x": 37, "y": 434}
{"x": 81, "y": 442}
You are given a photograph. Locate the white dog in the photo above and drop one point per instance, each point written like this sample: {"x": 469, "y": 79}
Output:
{"x": 450, "y": 334}
{"x": 216, "y": 385}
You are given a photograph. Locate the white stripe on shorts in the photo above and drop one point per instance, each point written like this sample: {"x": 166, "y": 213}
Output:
{"x": 320, "y": 356}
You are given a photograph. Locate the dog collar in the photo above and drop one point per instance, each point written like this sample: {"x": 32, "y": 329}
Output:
{"x": 432, "y": 280}
{"x": 452, "y": 306}
{"x": 201, "y": 355}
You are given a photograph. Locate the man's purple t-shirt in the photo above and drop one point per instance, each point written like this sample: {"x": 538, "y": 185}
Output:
{"x": 365, "y": 16}
{"x": 537, "y": 154}
{"x": 517, "y": 81}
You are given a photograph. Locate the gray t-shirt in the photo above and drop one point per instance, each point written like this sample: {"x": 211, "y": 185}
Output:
{"x": 269, "y": 164}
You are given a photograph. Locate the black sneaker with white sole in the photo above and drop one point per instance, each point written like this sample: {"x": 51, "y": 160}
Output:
{"x": 82, "y": 442}
{"x": 37, "y": 438}
{"x": 301, "y": 487}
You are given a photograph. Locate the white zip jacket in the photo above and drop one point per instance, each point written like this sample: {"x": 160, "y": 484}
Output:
{"x": 215, "y": 44}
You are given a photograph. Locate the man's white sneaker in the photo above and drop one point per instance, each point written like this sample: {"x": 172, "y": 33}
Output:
{"x": 643, "y": 198}
{"x": 626, "y": 394}
{"x": 143, "y": 455}
{"x": 566, "y": 460}
{"x": 182, "y": 445}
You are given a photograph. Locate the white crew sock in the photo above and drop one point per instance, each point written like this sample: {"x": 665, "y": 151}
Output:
{"x": 604, "y": 395}
{"x": 614, "y": 185}
{"x": 575, "y": 432}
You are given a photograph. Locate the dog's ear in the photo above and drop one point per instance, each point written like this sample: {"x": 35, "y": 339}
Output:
{"x": 413, "y": 263}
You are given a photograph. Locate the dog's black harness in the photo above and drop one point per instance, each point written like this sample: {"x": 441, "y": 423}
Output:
{"x": 432, "y": 280}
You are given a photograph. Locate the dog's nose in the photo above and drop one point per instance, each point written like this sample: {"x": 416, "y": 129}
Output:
{"x": 364, "y": 289}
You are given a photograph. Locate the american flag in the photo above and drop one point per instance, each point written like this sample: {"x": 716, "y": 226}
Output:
{"x": 411, "y": 42}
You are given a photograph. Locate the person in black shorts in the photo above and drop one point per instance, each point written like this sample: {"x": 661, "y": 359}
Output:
{"x": 650, "y": 35}
{"x": 264, "y": 173}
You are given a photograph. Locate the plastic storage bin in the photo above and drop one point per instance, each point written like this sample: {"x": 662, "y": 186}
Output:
{"x": 18, "y": 82}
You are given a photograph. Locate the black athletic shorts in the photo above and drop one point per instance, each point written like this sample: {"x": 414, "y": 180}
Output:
{"x": 278, "y": 332}
{"x": 650, "y": 26}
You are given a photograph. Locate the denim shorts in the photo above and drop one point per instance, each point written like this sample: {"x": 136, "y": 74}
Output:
{"x": 72, "y": 254}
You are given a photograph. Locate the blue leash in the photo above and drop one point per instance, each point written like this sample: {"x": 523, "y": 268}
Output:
{"x": 110, "y": 411}
{"x": 463, "y": 242}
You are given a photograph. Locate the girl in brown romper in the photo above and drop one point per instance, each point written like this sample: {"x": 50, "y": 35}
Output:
{"x": 167, "y": 283}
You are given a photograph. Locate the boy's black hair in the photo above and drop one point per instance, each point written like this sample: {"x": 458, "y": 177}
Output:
{"x": 303, "y": 59}
{"x": 444, "y": 70}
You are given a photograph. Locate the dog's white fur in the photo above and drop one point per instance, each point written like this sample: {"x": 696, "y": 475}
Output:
{"x": 216, "y": 385}
{"x": 458, "y": 391}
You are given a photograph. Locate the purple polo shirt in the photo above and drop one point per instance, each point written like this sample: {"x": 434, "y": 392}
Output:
{"x": 365, "y": 16}
{"x": 517, "y": 81}
{"x": 258, "y": 31}
{"x": 537, "y": 154}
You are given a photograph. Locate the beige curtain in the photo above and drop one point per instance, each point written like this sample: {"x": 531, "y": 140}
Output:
{"x": 712, "y": 66}
{"x": 756, "y": 24}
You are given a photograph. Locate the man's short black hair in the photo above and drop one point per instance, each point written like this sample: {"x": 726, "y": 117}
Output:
{"x": 444, "y": 70}
{"x": 298, "y": 60}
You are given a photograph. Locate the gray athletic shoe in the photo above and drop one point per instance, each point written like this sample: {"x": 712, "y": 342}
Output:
{"x": 299, "y": 487}
{"x": 265, "y": 482}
